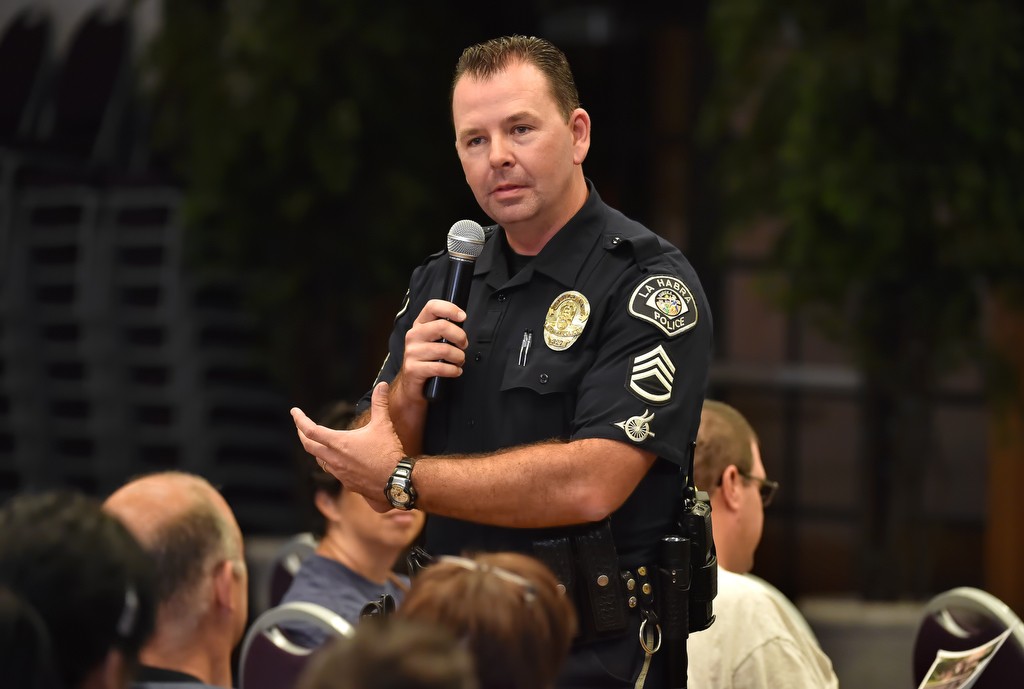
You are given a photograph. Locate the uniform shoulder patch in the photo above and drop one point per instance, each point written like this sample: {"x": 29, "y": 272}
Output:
{"x": 666, "y": 302}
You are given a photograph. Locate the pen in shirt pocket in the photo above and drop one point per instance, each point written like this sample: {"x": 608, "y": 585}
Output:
{"x": 524, "y": 349}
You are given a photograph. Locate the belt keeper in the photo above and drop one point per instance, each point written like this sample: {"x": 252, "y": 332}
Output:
{"x": 639, "y": 590}
{"x": 629, "y": 582}
{"x": 645, "y": 591}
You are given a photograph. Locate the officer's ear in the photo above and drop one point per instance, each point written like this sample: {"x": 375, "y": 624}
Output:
{"x": 579, "y": 124}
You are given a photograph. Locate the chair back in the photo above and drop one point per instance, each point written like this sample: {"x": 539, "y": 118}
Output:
{"x": 964, "y": 618}
{"x": 268, "y": 659}
{"x": 286, "y": 564}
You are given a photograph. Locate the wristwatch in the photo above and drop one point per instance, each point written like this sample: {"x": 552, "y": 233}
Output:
{"x": 399, "y": 490}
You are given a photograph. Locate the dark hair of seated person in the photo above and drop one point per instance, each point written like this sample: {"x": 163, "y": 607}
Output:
{"x": 25, "y": 654}
{"x": 79, "y": 572}
{"x": 338, "y": 415}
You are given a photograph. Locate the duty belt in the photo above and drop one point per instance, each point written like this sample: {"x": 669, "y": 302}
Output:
{"x": 585, "y": 562}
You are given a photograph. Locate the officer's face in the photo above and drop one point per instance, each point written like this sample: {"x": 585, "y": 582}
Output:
{"x": 520, "y": 156}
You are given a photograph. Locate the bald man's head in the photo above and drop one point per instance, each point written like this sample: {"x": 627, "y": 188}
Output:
{"x": 146, "y": 504}
{"x": 188, "y": 528}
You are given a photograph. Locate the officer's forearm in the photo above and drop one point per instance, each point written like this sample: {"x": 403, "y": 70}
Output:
{"x": 547, "y": 484}
{"x": 408, "y": 416}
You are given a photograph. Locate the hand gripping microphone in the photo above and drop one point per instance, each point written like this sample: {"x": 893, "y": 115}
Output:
{"x": 465, "y": 244}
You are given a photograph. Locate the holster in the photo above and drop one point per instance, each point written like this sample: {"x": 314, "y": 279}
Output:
{"x": 586, "y": 563}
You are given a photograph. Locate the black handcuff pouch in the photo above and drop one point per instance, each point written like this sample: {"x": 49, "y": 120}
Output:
{"x": 585, "y": 562}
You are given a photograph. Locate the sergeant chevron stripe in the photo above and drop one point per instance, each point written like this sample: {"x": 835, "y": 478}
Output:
{"x": 651, "y": 376}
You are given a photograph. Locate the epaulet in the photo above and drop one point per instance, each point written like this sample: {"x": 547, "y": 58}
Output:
{"x": 434, "y": 256}
{"x": 644, "y": 245}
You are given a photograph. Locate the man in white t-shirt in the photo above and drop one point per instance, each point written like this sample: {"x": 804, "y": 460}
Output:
{"x": 759, "y": 638}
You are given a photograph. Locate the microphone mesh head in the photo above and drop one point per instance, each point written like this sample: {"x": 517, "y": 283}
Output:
{"x": 466, "y": 240}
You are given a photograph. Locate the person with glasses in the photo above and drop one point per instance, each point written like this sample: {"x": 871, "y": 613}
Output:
{"x": 759, "y": 639}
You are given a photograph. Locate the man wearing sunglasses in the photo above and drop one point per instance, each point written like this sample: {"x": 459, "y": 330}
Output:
{"x": 759, "y": 638}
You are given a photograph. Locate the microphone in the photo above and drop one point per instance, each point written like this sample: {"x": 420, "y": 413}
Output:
{"x": 465, "y": 244}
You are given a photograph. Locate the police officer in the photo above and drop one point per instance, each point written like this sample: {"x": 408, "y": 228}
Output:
{"x": 574, "y": 384}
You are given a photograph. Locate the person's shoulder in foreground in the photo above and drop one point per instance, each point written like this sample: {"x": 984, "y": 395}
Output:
{"x": 755, "y": 642}
{"x": 331, "y": 584}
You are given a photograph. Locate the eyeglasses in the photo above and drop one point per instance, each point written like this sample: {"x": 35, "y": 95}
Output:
{"x": 529, "y": 592}
{"x": 767, "y": 488}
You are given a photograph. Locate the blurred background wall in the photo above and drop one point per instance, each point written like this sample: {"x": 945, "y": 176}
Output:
{"x": 209, "y": 210}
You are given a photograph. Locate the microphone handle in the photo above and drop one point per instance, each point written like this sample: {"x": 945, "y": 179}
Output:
{"x": 456, "y": 290}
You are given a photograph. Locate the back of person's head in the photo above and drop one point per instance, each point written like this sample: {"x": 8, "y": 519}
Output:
{"x": 724, "y": 438}
{"x": 25, "y": 654}
{"x": 392, "y": 654}
{"x": 190, "y": 532}
{"x": 508, "y": 608}
{"x": 81, "y": 574}
{"x": 484, "y": 60}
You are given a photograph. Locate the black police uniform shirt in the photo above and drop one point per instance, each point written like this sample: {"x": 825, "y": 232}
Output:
{"x": 606, "y": 333}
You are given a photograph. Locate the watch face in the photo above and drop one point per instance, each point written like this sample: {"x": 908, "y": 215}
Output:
{"x": 399, "y": 495}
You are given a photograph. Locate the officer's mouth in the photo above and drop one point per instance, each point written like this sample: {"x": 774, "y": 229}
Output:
{"x": 506, "y": 190}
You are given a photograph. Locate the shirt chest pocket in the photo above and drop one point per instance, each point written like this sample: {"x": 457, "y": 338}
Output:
{"x": 542, "y": 394}
{"x": 544, "y": 373}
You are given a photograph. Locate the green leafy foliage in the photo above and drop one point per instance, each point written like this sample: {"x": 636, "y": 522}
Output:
{"x": 884, "y": 139}
{"x": 888, "y": 138}
{"x": 313, "y": 139}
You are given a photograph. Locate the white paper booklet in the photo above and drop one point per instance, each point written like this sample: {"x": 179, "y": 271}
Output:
{"x": 960, "y": 669}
